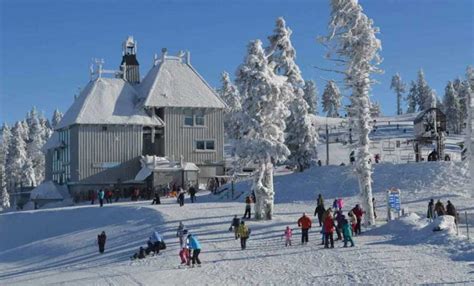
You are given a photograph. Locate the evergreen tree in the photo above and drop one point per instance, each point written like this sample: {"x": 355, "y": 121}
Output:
{"x": 462, "y": 90}
{"x": 469, "y": 142}
{"x": 425, "y": 96}
{"x": 4, "y": 196}
{"x": 353, "y": 38}
{"x": 264, "y": 111}
{"x": 311, "y": 96}
{"x": 34, "y": 145}
{"x": 4, "y": 145}
{"x": 399, "y": 87}
{"x": 301, "y": 136}
{"x": 451, "y": 103}
{"x": 412, "y": 98}
{"x": 16, "y": 157}
{"x": 230, "y": 95}
{"x": 57, "y": 116}
{"x": 28, "y": 177}
{"x": 331, "y": 99}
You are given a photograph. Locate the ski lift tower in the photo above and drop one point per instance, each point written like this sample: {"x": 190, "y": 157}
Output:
{"x": 429, "y": 128}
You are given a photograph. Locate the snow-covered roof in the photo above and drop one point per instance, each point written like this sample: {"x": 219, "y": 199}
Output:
{"x": 173, "y": 82}
{"x": 108, "y": 101}
{"x": 49, "y": 191}
{"x": 52, "y": 142}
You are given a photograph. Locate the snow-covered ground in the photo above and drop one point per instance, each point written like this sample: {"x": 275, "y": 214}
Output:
{"x": 58, "y": 246}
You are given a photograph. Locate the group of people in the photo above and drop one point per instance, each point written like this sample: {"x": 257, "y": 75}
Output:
{"x": 240, "y": 230}
{"x": 190, "y": 248}
{"x": 438, "y": 209}
{"x": 155, "y": 243}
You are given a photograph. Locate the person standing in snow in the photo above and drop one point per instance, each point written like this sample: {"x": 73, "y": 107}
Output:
{"x": 430, "y": 213}
{"x": 328, "y": 229}
{"x": 244, "y": 233}
{"x": 101, "y": 197}
{"x": 181, "y": 233}
{"x": 347, "y": 233}
{"x": 92, "y": 195}
{"x": 340, "y": 204}
{"x": 319, "y": 211}
{"x": 334, "y": 204}
{"x": 101, "y": 238}
{"x": 248, "y": 207}
{"x": 358, "y": 212}
{"x": 451, "y": 210}
{"x": 320, "y": 200}
{"x": 439, "y": 208}
{"x": 192, "y": 193}
{"x": 353, "y": 222}
{"x": 184, "y": 254}
{"x": 181, "y": 197}
{"x": 195, "y": 246}
{"x": 235, "y": 226}
{"x": 288, "y": 235}
{"x": 339, "y": 217}
{"x": 305, "y": 223}
{"x": 352, "y": 158}
{"x": 373, "y": 205}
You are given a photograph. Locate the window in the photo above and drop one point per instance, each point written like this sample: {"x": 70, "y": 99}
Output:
{"x": 199, "y": 118}
{"x": 61, "y": 158}
{"x": 104, "y": 128}
{"x": 195, "y": 118}
{"x": 188, "y": 118}
{"x": 205, "y": 145}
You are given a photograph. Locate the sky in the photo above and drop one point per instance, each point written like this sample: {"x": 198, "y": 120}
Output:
{"x": 46, "y": 46}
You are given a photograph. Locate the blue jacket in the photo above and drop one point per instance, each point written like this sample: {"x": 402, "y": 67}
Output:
{"x": 101, "y": 194}
{"x": 193, "y": 243}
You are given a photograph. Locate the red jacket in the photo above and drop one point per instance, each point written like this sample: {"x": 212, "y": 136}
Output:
{"x": 304, "y": 222}
{"x": 328, "y": 224}
{"x": 358, "y": 212}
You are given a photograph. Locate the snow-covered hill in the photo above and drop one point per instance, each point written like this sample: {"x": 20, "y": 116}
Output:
{"x": 58, "y": 246}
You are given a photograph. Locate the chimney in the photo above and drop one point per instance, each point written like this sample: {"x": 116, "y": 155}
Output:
{"x": 188, "y": 58}
{"x": 164, "y": 51}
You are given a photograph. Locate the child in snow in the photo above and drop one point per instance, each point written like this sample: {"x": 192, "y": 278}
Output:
{"x": 140, "y": 255}
{"x": 235, "y": 226}
{"x": 353, "y": 222}
{"x": 347, "y": 233}
{"x": 180, "y": 233}
{"x": 101, "y": 238}
{"x": 195, "y": 246}
{"x": 184, "y": 252}
{"x": 288, "y": 235}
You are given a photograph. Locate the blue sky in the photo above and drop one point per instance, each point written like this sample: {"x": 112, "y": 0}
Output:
{"x": 47, "y": 46}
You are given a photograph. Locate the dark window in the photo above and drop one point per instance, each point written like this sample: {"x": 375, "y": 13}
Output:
{"x": 104, "y": 128}
{"x": 199, "y": 119}
{"x": 188, "y": 118}
{"x": 200, "y": 145}
{"x": 210, "y": 145}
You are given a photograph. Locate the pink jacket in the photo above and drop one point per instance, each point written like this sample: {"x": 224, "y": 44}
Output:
{"x": 288, "y": 233}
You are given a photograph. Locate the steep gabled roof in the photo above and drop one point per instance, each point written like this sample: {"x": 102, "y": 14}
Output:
{"x": 175, "y": 83}
{"x": 108, "y": 101}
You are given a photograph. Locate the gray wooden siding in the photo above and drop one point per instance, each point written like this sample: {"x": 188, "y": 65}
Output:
{"x": 119, "y": 143}
{"x": 180, "y": 139}
{"x": 48, "y": 169}
{"x": 73, "y": 152}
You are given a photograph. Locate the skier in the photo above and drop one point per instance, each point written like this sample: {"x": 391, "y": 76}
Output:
{"x": 244, "y": 233}
{"x": 319, "y": 211}
{"x": 101, "y": 238}
{"x": 192, "y": 193}
{"x": 439, "y": 208}
{"x": 305, "y": 223}
{"x": 347, "y": 232}
{"x": 181, "y": 233}
{"x": 101, "y": 197}
{"x": 195, "y": 246}
{"x": 248, "y": 207}
{"x": 328, "y": 229}
{"x": 451, "y": 210}
{"x": 430, "y": 213}
{"x": 288, "y": 235}
{"x": 181, "y": 197}
{"x": 235, "y": 226}
{"x": 358, "y": 212}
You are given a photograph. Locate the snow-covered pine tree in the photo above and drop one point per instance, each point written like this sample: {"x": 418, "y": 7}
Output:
{"x": 16, "y": 156}
{"x": 424, "y": 93}
{"x": 469, "y": 142}
{"x": 46, "y": 126}
{"x": 400, "y": 88}
{"x": 412, "y": 98}
{"x": 28, "y": 177}
{"x": 34, "y": 145}
{"x": 462, "y": 90}
{"x": 264, "y": 111}
{"x": 451, "y": 104}
{"x": 230, "y": 95}
{"x": 311, "y": 96}
{"x": 5, "y": 139}
{"x": 57, "y": 116}
{"x": 4, "y": 196}
{"x": 353, "y": 38}
{"x": 331, "y": 99}
{"x": 301, "y": 136}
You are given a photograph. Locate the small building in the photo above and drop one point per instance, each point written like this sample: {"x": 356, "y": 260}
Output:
{"x": 173, "y": 112}
{"x": 430, "y": 129}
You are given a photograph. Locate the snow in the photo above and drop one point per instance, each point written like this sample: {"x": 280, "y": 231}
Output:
{"x": 58, "y": 246}
{"x": 175, "y": 83}
{"x": 107, "y": 101}
{"x": 49, "y": 191}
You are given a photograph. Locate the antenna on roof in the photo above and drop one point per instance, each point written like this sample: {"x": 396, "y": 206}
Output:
{"x": 99, "y": 64}
{"x": 164, "y": 51}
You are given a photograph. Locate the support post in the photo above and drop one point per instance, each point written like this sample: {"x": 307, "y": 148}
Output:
{"x": 327, "y": 145}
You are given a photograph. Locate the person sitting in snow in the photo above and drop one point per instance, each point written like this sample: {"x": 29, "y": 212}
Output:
{"x": 140, "y": 254}
{"x": 439, "y": 208}
{"x": 155, "y": 243}
{"x": 288, "y": 235}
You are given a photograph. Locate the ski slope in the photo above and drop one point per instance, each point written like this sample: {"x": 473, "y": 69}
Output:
{"x": 58, "y": 246}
